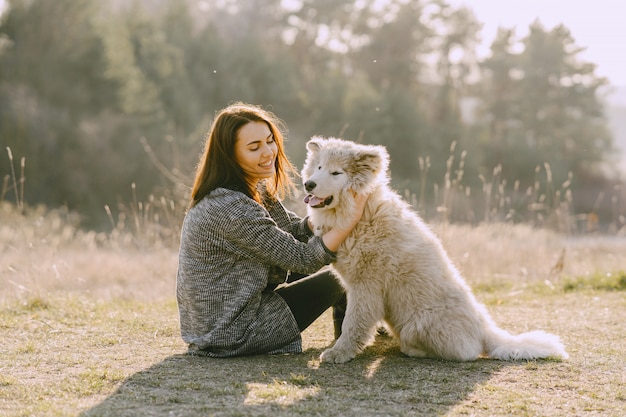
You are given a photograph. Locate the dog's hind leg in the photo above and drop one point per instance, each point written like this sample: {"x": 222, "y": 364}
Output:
{"x": 410, "y": 346}
{"x": 412, "y": 349}
{"x": 365, "y": 311}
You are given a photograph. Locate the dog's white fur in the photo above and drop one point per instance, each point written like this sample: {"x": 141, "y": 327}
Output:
{"x": 395, "y": 269}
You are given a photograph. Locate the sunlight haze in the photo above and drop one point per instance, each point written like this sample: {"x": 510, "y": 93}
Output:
{"x": 597, "y": 26}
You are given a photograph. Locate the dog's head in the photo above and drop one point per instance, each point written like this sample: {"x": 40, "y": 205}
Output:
{"x": 334, "y": 166}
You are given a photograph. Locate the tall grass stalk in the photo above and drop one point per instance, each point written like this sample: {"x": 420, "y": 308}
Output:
{"x": 19, "y": 191}
{"x": 543, "y": 204}
{"x": 146, "y": 224}
{"x": 424, "y": 164}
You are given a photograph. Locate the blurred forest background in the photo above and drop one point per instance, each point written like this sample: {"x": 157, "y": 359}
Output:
{"x": 106, "y": 103}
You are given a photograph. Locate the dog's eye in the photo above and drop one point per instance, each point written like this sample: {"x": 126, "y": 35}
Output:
{"x": 337, "y": 173}
{"x": 319, "y": 167}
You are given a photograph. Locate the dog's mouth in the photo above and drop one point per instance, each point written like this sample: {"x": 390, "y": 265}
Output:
{"x": 317, "y": 202}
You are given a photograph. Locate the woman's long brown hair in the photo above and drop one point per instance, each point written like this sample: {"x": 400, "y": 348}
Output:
{"x": 217, "y": 166}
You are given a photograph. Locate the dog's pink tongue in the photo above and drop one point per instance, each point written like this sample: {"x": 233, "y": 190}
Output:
{"x": 312, "y": 200}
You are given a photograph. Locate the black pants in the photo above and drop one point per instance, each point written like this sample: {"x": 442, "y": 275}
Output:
{"x": 309, "y": 297}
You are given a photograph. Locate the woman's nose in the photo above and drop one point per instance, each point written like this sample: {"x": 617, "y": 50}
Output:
{"x": 268, "y": 150}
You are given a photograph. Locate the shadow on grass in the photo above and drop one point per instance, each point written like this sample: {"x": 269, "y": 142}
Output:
{"x": 380, "y": 381}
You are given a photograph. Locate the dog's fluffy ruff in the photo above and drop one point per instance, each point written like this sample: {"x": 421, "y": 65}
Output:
{"x": 395, "y": 269}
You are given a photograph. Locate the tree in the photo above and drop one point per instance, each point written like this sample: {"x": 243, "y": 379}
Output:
{"x": 419, "y": 56}
{"x": 50, "y": 80}
{"x": 541, "y": 105}
{"x": 84, "y": 85}
{"x": 541, "y": 108}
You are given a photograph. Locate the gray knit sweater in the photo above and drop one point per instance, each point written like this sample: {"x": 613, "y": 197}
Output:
{"x": 231, "y": 249}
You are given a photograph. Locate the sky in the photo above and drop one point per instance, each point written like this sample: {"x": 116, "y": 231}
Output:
{"x": 597, "y": 25}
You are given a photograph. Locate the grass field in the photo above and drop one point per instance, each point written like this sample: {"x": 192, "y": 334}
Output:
{"x": 90, "y": 328}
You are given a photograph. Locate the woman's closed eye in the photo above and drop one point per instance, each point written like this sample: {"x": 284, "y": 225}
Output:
{"x": 269, "y": 141}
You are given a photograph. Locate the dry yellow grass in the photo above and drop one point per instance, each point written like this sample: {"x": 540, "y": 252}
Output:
{"x": 521, "y": 254}
{"x": 89, "y": 327}
{"x": 43, "y": 252}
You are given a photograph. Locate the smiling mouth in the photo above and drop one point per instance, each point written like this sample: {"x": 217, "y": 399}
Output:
{"x": 269, "y": 164}
{"x": 316, "y": 202}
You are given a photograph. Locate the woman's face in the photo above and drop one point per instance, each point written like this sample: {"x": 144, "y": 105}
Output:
{"x": 255, "y": 151}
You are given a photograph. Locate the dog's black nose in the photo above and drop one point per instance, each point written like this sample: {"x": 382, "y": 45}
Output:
{"x": 310, "y": 185}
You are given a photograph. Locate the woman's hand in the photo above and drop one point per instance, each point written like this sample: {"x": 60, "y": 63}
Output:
{"x": 335, "y": 236}
{"x": 360, "y": 200}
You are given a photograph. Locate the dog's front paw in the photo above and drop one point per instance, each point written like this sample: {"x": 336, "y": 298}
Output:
{"x": 337, "y": 356}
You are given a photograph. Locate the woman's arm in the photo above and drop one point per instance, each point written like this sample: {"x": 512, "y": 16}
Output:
{"x": 335, "y": 236}
{"x": 248, "y": 230}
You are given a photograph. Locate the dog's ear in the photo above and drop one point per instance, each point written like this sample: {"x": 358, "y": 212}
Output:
{"x": 372, "y": 158}
{"x": 314, "y": 144}
{"x": 368, "y": 163}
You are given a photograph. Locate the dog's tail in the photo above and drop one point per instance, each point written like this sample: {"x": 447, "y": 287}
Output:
{"x": 500, "y": 344}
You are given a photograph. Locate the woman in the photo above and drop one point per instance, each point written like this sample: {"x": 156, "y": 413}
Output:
{"x": 238, "y": 242}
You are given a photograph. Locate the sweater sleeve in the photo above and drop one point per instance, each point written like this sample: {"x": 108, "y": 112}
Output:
{"x": 253, "y": 233}
{"x": 290, "y": 221}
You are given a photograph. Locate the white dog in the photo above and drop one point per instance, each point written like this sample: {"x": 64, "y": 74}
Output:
{"x": 395, "y": 269}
